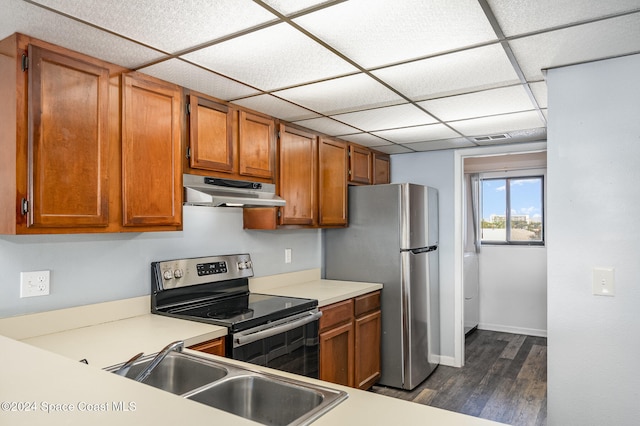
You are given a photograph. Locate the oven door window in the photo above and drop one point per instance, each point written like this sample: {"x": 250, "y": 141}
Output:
{"x": 294, "y": 351}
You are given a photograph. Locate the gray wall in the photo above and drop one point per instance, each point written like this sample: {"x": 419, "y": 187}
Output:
{"x": 93, "y": 268}
{"x": 593, "y": 221}
{"x": 436, "y": 169}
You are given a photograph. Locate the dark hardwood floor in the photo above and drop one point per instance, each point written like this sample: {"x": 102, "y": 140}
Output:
{"x": 504, "y": 379}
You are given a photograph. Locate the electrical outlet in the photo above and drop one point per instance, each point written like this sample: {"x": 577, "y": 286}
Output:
{"x": 34, "y": 283}
{"x": 287, "y": 255}
{"x": 603, "y": 284}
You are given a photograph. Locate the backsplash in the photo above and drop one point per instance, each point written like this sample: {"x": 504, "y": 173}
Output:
{"x": 94, "y": 268}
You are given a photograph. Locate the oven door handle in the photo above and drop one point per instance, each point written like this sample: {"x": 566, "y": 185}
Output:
{"x": 241, "y": 339}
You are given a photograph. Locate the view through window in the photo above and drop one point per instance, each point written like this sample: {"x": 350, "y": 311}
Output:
{"x": 512, "y": 210}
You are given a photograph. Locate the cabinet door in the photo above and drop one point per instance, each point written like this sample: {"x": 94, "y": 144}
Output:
{"x": 256, "y": 146}
{"x": 367, "y": 349}
{"x": 213, "y": 347}
{"x": 298, "y": 176}
{"x": 359, "y": 165}
{"x": 332, "y": 185}
{"x": 381, "y": 169}
{"x": 68, "y": 141}
{"x": 336, "y": 355}
{"x": 210, "y": 135}
{"x": 151, "y": 172}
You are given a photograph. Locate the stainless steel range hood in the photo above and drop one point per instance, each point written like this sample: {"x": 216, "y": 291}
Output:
{"x": 217, "y": 192}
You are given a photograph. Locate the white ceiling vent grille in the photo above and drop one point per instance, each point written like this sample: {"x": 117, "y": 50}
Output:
{"x": 489, "y": 138}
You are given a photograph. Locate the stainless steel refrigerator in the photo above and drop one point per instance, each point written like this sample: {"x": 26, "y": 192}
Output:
{"x": 392, "y": 238}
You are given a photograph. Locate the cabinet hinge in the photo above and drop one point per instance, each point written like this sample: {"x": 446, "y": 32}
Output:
{"x": 279, "y": 214}
{"x": 188, "y": 152}
{"x": 25, "y": 62}
{"x": 188, "y": 109}
{"x": 25, "y": 206}
{"x": 349, "y": 172}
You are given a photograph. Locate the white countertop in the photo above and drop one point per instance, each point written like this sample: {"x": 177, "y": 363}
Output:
{"x": 43, "y": 369}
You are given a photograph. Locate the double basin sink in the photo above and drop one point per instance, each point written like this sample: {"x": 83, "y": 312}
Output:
{"x": 258, "y": 396}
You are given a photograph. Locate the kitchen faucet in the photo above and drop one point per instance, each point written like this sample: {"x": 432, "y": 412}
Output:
{"x": 177, "y": 346}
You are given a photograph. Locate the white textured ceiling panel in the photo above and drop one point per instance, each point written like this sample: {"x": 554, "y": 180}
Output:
{"x": 487, "y": 102}
{"x": 498, "y": 123}
{"x": 272, "y": 58}
{"x": 539, "y": 90}
{"x": 375, "y": 33}
{"x": 276, "y": 107}
{"x": 582, "y": 43}
{"x": 468, "y": 70}
{"x": 288, "y": 7}
{"x": 167, "y": 25}
{"x": 198, "y": 79}
{"x": 327, "y": 126}
{"x": 344, "y": 94}
{"x": 393, "y": 149}
{"x": 441, "y": 144}
{"x": 365, "y": 139}
{"x": 429, "y": 132}
{"x": 386, "y": 118}
{"x": 521, "y": 17}
{"x": 34, "y": 21}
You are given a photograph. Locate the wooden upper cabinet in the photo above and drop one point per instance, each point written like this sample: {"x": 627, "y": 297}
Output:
{"x": 360, "y": 165}
{"x": 332, "y": 186}
{"x": 256, "y": 146}
{"x": 381, "y": 168}
{"x": 298, "y": 176}
{"x": 151, "y": 172}
{"x": 68, "y": 143}
{"x": 210, "y": 135}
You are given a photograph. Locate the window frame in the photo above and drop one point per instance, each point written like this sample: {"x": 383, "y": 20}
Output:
{"x": 508, "y": 176}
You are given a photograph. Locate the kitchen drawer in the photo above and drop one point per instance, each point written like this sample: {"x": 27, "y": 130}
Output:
{"x": 367, "y": 303}
{"x": 335, "y": 314}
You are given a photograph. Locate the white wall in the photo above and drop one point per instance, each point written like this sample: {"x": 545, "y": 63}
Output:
{"x": 436, "y": 169}
{"x": 593, "y": 212}
{"x": 92, "y": 268}
{"x": 513, "y": 289}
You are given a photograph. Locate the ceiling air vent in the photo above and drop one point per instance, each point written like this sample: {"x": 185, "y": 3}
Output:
{"x": 491, "y": 138}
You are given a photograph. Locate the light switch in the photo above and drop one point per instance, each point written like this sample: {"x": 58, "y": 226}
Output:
{"x": 603, "y": 284}
{"x": 287, "y": 255}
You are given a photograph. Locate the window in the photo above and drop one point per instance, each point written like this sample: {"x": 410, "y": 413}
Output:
{"x": 512, "y": 210}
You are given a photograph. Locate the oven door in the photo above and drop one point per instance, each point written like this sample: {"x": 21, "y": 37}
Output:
{"x": 288, "y": 345}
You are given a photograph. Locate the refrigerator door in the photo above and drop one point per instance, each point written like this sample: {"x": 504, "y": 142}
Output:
{"x": 414, "y": 212}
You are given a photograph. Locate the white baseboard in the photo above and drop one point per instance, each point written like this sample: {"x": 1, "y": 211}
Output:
{"x": 514, "y": 330}
{"x": 449, "y": 361}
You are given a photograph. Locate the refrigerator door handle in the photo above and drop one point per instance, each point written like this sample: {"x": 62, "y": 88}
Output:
{"x": 422, "y": 249}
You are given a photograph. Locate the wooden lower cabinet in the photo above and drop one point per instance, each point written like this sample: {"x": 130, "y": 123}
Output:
{"x": 213, "y": 347}
{"x": 350, "y": 335}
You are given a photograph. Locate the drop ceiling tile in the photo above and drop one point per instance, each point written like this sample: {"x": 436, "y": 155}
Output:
{"x": 386, "y": 32}
{"x": 289, "y": 7}
{"x": 198, "y": 79}
{"x": 358, "y": 91}
{"x": 34, "y": 21}
{"x": 275, "y": 107}
{"x": 539, "y": 90}
{"x": 166, "y": 24}
{"x": 487, "y": 102}
{"x": 272, "y": 58}
{"x": 327, "y": 126}
{"x": 498, "y": 124}
{"x": 613, "y": 37}
{"x": 364, "y": 139}
{"x": 386, "y": 118}
{"x": 468, "y": 70}
{"x": 441, "y": 144}
{"x": 394, "y": 149}
{"x": 520, "y": 17}
{"x": 418, "y": 133}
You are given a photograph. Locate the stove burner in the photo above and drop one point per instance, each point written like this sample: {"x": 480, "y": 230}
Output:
{"x": 238, "y": 314}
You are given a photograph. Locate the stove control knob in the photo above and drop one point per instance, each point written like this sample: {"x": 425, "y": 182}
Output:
{"x": 244, "y": 264}
{"x": 178, "y": 273}
{"x": 168, "y": 274}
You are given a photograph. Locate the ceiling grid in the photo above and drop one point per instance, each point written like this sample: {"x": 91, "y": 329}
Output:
{"x": 400, "y": 77}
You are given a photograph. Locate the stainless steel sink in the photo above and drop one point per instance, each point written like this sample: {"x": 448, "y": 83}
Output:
{"x": 262, "y": 397}
{"x": 268, "y": 400}
{"x": 178, "y": 373}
